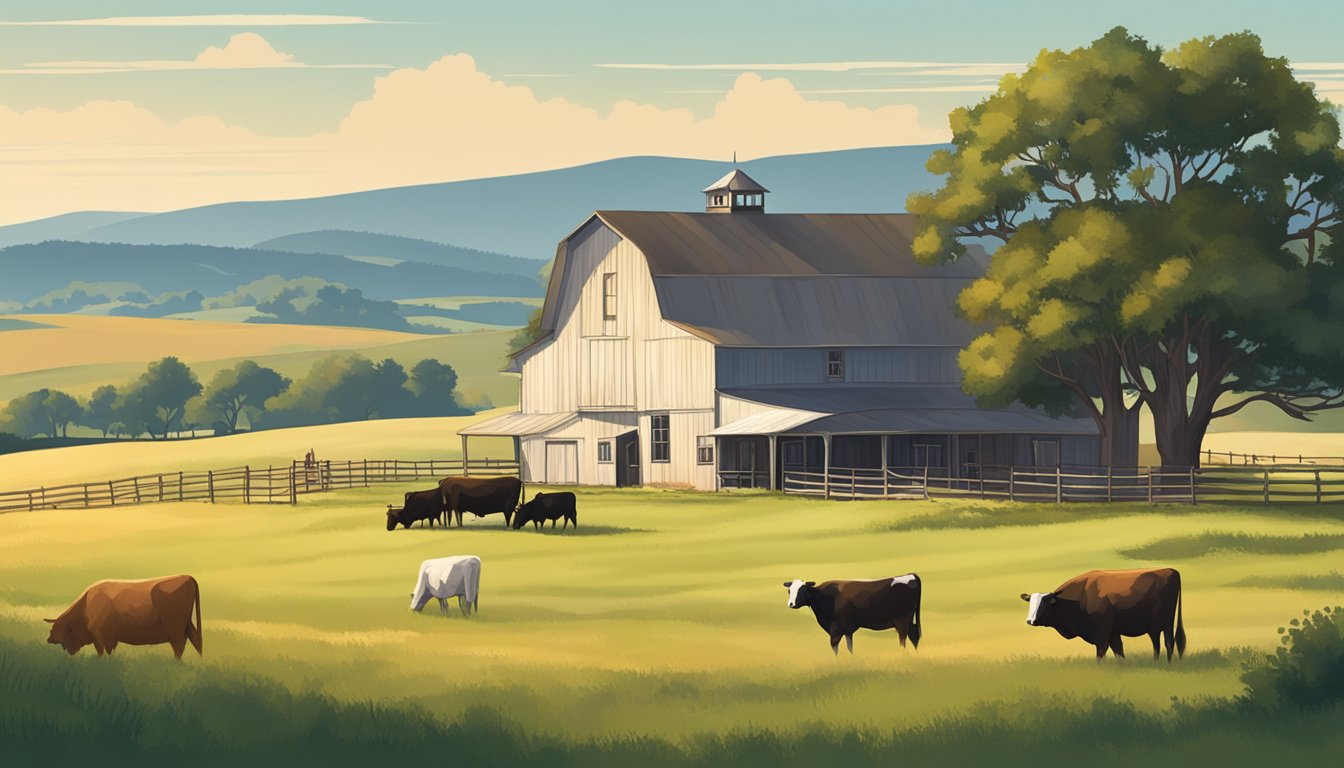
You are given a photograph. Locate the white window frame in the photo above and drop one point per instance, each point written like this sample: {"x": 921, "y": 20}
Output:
{"x": 704, "y": 449}
{"x": 609, "y": 296}
{"x": 835, "y": 365}
{"x": 665, "y": 443}
{"x": 607, "y": 445}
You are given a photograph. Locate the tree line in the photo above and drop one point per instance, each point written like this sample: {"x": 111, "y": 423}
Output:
{"x": 169, "y": 398}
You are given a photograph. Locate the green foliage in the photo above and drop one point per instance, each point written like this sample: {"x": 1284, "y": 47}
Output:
{"x": 156, "y": 401}
{"x": 1165, "y": 220}
{"x": 1209, "y": 542}
{"x": 41, "y": 412}
{"x": 527, "y": 335}
{"x": 79, "y": 294}
{"x": 350, "y": 387}
{"x": 244, "y": 387}
{"x": 162, "y": 306}
{"x": 100, "y": 410}
{"x": 265, "y": 289}
{"x": 1307, "y": 672}
{"x": 434, "y": 385}
{"x": 333, "y": 306}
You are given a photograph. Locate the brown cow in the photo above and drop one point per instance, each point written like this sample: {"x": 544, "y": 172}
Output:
{"x": 843, "y": 607}
{"x": 132, "y": 612}
{"x": 1103, "y": 606}
{"x": 481, "y": 496}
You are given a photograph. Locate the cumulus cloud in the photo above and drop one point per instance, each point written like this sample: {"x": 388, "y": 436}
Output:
{"x": 448, "y": 121}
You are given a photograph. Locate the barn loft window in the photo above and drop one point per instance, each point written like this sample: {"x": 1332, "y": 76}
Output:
{"x": 1046, "y": 452}
{"x": 609, "y": 296}
{"x": 604, "y": 452}
{"x": 835, "y": 364}
{"x": 704, "y": 450}
{"x": 928, "y": 455}
{"x": 660, "y": 447}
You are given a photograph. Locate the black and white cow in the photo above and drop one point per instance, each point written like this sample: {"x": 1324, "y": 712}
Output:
{"x": 842, "y": 607}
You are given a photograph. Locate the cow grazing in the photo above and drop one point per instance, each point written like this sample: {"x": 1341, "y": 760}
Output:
{"x": 1103, "y": 606}
{"x": 416, "y": 505}
{"x": 481, "y": 496}
{"x": 447, "y": 577}
{"x": 841, "y": 607}
{"x": 132, "y": 612}
{"x": 547, "y": 506}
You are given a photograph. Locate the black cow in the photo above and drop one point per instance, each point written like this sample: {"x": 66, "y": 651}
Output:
{"x": 1104, "y": 606}
{"x": 842, "y": 607}
{"x": 547, "y": 506}
{"x": 481, "y": 496}
{"x": 417, "y": 505}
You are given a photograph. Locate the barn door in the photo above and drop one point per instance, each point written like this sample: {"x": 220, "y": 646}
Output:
{"x": 627, "y": 460}
{"x": 562, "y": 462}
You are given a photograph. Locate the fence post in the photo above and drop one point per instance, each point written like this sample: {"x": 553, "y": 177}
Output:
{"x": 30, "y": 501}
{"x": 926, "y": 482}
{"x": 1150, "y": 485}
{"x": 1318, "y": 486}
{"x": 160, "y": 486}
{"x": 366, "y": 473}
{"x": 180, "y": 477}
{"x": 111, "y": 493}
{"x": 1110, "y": 470}
{"x": 210, "y": 484}
{"x": 86, "y": 495}
{"x": 1266, "y": 486}
{"x": 1192, "y": 485}
{"x": 1059, "y": 485}
{"x": 293, "y": 486}
{"x": 1012, "y": 475}
{"x": 247, "y": 485}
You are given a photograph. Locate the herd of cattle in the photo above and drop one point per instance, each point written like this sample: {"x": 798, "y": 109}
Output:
{"x": 1101, "y": 607}
{"x": 481, "y": 497}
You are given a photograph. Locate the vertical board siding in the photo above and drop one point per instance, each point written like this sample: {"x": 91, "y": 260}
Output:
{"x": 682, "y": 470}
{"x": 678, "y": 374}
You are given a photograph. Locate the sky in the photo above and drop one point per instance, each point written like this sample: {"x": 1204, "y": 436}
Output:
{"x": 149, "y": 106}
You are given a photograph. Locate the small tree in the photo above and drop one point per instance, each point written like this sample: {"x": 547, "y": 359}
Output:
{"x": 245, "y": 386}
{"x": 434, "y": 385}
{"x": 60, "y": 409}
{"x": 100, "y": 409}
{"x": 26, "y": 415}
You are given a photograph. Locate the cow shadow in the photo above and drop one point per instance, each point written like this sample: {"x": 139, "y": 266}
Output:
{"x": 586, "y": 530}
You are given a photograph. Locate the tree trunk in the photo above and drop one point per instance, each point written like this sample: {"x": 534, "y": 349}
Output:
{"x": 1120, "y": 436}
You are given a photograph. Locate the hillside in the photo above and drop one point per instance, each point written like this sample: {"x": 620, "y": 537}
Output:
{"x": 371, "y": 245}
{"x": 34, "y": 269}
{"x": 527, "y": 214}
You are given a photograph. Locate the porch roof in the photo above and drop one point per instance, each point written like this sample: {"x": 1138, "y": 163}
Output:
{"x": 518, "y": 424}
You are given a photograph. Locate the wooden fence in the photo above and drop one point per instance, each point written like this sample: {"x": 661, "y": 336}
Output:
{"x": 249, "y": 485}
{"x": 1275, "y": 459}
{"x": 1154, "y": 485}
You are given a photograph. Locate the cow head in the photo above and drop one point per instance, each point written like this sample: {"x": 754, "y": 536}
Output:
{"x": 392, "y": 517}
{"x": 63, "y": 634}
{"x": 800, "y": 592}
{"x": 1040, "y": 608}
{"x": 527, "y": 511}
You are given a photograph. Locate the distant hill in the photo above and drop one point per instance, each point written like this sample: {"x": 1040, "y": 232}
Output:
{"x": 371, "y": 244}
{"x": 33, "y": 270}
{"x": 526, "y": 215}
{"x": 69, "y": 226}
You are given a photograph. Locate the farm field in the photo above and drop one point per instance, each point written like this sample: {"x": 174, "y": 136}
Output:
{"x": 671, "y": 603}
{"x": 83, "y": 352}
{"x": 407, "y": 439}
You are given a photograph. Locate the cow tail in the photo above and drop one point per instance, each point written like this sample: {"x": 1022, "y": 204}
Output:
{"x": 200, "y": 629}
{"x": 1180, "y": 623}
{"x": 916, "y": 630}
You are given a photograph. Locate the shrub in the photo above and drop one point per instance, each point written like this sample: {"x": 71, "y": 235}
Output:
{"x": 1307, "y": 672}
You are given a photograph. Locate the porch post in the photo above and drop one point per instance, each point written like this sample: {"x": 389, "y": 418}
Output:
{"x": 718, "y": 457}
{"x": 774, "y": 452}
{"x": 518, "y": 456}
{"x": 885, "y": 490}
{"x": 465, "y": 470}
{"x": 826, "y": 464}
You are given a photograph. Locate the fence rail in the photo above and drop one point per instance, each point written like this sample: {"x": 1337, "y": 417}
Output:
{"x": 247, "y": 484}
{"x": 1271, "y": 459}
{"x": 1154, "y": 485}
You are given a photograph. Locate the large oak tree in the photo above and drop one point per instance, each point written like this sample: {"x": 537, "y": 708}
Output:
{"x": 1166, "y": 223}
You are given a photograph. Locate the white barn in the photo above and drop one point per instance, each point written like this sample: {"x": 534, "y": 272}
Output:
{"x": 733, "y": 347}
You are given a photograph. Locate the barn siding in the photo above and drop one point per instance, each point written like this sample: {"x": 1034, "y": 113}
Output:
{"x": 682, "y": 470}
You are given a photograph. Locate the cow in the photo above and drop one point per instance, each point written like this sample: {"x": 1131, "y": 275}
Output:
{"x": 147, "y": 612}
{"x": 481, "y": 496}
{"x": 1101, "y": 607}
{"x": 842, "y": 607}
{"x": 447, "y": 577}
{"x": 417, "y": 505}
{"x": 547, "y": 506}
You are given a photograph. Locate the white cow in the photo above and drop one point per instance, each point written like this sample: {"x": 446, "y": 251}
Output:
{"x": 446, "y": 577}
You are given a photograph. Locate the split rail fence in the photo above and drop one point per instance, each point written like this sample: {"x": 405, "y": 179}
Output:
{"x": 1154, "y": 485}
{"x": 249, "y": 485}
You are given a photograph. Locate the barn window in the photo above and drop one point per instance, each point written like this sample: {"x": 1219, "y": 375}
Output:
{"x": 835, "y": 364}
{"x": 928, "y": 455}
{"x": 660, "y": 447}
{"x": 609, "y": 296}
{"x": 704, "y": 450}
{"x": 604, "y": 452}
{"x": 1046, "y": 452}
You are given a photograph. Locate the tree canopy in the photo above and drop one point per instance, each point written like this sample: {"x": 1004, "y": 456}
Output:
{"x": 1165, "y": 222}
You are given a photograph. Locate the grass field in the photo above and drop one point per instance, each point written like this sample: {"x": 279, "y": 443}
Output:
{"x": 407, "y": 439}
{"x": 82, "y": 353}
{"x": 664, "y": 615}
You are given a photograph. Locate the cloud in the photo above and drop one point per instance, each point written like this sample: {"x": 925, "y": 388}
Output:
{"x": 212, "y": 20}
{"x": 246, "y": 50}
{"x": 818, "y": 66}
{"x": 448, "y": 121}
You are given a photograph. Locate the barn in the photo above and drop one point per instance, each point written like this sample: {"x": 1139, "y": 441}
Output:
{"x": 739, "y": 348}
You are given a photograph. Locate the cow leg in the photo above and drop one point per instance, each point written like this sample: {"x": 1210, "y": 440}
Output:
{"x": 1169, "y": 638}
{"x": 1118, "y": 645}
{"x": 552, "y": 524}
{"x": 903, "y": 631}
{"x": 179, "y": 644}
{"x": 835, "y": 644}
{"x": 443, "y": 605}
{"x": 1157, "y": 647}
{"x": 194, "y": 635}
{"x": 849, "y": 643}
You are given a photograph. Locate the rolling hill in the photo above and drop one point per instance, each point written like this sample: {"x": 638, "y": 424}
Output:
{"x": 527, "y": 214}
{"x": 391, "y": 249}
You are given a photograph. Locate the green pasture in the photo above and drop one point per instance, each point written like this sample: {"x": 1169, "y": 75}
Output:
{"x": 664, "y": 615}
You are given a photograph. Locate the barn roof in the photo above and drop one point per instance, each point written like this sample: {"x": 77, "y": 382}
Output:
{"x": 518, "y": 424}
{"x": 735, "y": 181}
